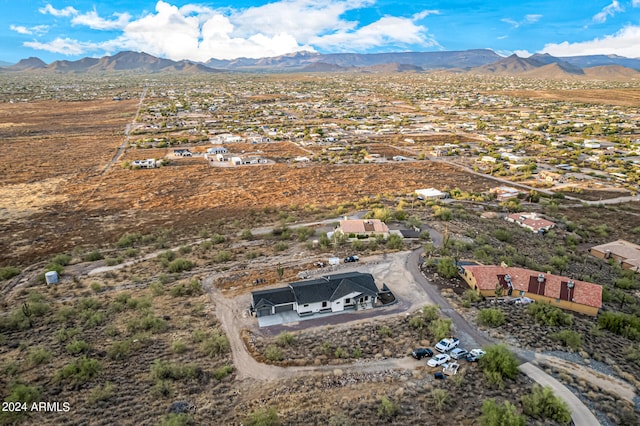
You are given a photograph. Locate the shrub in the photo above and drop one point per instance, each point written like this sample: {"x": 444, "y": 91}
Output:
{"x": 280, "y": 246}
{"x": 96, "y": 287}
{"x": 157, "y": 289}
{"x": 215, "y": 345}
{"x": 388, "y": 408}
{"x": 162, "y": 389}
{"x": 101, "y": 393}
{"x": 128, "y": 240}
{"x": 340, "y": 353}
{"x": 546, "y": 314}
{"x": 61, "y": 259}
{"x": 149, "y": 322}
{"x": 131, "y": 252}
{"x": 66, "y": 333}
{"x": 440, "y": 328}
{"x": 502, "y": 234}
{"x": 447, "y": 267}
{"x": 8, "y": 272}
{"x": 568, "y": 338}
{"x": 285, "y": 339}
{"x": 93, "y": 256}
{"x": 78, "y": 346}
{"x": 620, "y": 323}
{"x": 111, "y": 261}
{"x": 543, "y": 404}
{"x": 164, "y": 370}
{"x": 121, "y": 349}
{"x": 498, "y": 363}
{"x": 470, "y": 297}
{"x": 491, "y": 317}
{"x": 394, "y": 242}
{"x": 222, "y": 372}
{"x": 500, "y": 414}
{"x": 166, "y": 257}
{"x": 19, "y": 393}
{"x": 79, "y": 371}
{"x": 178, "y": 346}
{"x": 439, "y": 397}
{"x": 263, "y": 417}
{"x": 385, "y": 331}
{"x": 273, "y": 353}
{"x": 177, "y": 419}
{"x": 185, "y": 249}
{"x": 180, "y": 265}
{"x": 217, "y": 239}
{"x": 246, "y": 235}
{"x": 194, "y": 288}
{"x": 224, "y": 256}
{"x": 39, "y": 355}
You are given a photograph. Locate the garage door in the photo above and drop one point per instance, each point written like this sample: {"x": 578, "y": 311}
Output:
{"x": 284, "y": 308}
{"x": 263, "y": 312}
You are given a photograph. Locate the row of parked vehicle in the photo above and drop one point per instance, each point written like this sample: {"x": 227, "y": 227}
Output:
{"x": 449, "y": 351}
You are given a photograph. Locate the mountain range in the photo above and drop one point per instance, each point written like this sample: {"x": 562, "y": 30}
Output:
{"x": 477, "y": 61}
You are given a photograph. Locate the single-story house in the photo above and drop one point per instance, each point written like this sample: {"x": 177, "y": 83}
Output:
{"x": 563, "y": 292}
{"x": 505, "y": 192}
{"x": 430, "y": 194}
{"x": 331, "y": 293}
{"x": 627, "y": 254}
{"x": 531, "y": 221}
{"x": 368, "y": 227}
{"x": 550, "y": 177}
{"x": 217, "y": 150}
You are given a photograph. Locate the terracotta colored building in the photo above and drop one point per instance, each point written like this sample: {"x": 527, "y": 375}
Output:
{"x": 563, "y": 292}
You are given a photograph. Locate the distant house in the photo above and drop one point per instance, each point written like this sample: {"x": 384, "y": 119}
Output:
{"x": 627, "y": 254}
{"x": 563, "y": 292}
{"x": 217, "y": 150}
{"x": 531, "y": 221}
{"x": 368, "y": 227}
{"x": 430, "y": 194}
{"x": 505, "y": 192}
{"x": 331, "y": 293}
{"x": 149, "y": 163}
{"x": 550, "y": 176}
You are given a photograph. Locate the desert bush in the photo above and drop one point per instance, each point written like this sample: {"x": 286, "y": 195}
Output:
{"x": 111, "y": 261}
{"x": 568, "y": 338}
{"x": 430, "y": 313}
{"x": 65, "y": 334}
{"x": 185, "y": 249}
{"x": 498, "y": 363}
{"x": 388, "y": 408}
{"x": 447, "y": 267}
{"x": 121, "y": 349}
{"x": 620, "y": 323}
{"x": 79, "y": 371}
{"x": 263, "y": 417}
{"x": 385, "y": 331}
{"x": 166, "y": 257}
{"x": 280, "y": 246}
{"x": 491, "y": 317}
{"x": 285, "y": 339}
{"x": 148, "y": 322}
{"x": 439, "y": 397}
{"x": 62, "y": 259}
{"x": 273, "y": 353}
{"x": 246, "y": 235}
{"x": 222, "y": 372}
{"x": 357, "y": 353}
{"x": 440, "y": 328}
{"x": 8, "y": 272}
{"x": 215, "y": 345}
{"x": 502, "y": 234}
{"x": 164, "y": 370}
{"x": 180, "y": 265}
{"x": 39, "y": 355}
{"x": 469, "y": 297}
{"x": 93, "y": 256}
{"x": 546, "y": 314}
{"x": 500, "y": 414}
{"x": 543, "y": 404}
{"x": 194, "y": 288}
{"x": 340, "y": 353}
{"x": 157, "y": 289}
{"x": 101, "y": 393}
{"x": 217, "y": 239}
{"x": 128, "y": 240}
{"x": 178, "y": 346}
{"x": 394, "y": 242}
{"x": 19, "y": 392}
{"x": 162, "y": 389}
{"x": 131, "y": 252}
{"x": 77, "y": 346}
{"x": 177, "y": 419}
{"x": 442, "y": 213}
{"x": 224, "y": 256}
{"x": 93, "y": 318}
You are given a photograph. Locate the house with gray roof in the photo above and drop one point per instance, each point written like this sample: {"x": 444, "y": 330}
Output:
{"x": 330, "y": 293}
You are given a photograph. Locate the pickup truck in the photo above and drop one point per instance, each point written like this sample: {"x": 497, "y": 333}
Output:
{"x": 445, "y": 345}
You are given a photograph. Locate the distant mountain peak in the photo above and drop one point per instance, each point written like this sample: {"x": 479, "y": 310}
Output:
{"x": 30, "y": 63}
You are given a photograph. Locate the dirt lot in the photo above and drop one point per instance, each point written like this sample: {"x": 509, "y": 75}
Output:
{"x": 73, "y": 205}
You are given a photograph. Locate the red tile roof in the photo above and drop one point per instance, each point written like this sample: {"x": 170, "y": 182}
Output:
{"x": 584, "y": 293}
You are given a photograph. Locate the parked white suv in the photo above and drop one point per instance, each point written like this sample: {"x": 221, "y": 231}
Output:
{"x": 445, "y": 345}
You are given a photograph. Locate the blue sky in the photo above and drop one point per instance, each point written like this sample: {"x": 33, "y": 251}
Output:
{"x": 200, "y": 30}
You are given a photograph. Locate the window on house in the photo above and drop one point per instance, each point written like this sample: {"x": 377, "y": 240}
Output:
{"x": 366, "y": 298}
{"x": 306, "y": 306}
{"x": 324, "y": 304}
{"x": 347, "y": 301}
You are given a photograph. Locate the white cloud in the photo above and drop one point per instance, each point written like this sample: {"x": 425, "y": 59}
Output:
{"x": 523, "y": 53}
{"x": 95, "y": 22}
{"x": 199, "y": 32}
{"x": 38, "y": 29}
{"x": 67, "y": 11}
{"x": 624, "y": 43}
{"x": 65, "y": 46}
{"x": 635, "y": 3}
{"x": 528, "y": 19}
{"x": 607, "y": 11}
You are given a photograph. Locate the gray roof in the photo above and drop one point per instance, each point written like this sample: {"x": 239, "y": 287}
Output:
{"x": 272, "y": 297}
{"x": 331, "y": 287}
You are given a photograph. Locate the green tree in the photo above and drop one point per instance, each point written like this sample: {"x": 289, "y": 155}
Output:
{"x": 494, "y": 414}
{"x": 447, "y": 267}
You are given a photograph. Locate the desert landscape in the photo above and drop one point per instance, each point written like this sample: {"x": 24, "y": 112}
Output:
{"x": 150, "y": 321}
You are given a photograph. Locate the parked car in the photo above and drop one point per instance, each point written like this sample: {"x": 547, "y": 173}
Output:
{"x": 445, "y": 345}
{"x": 451, "y": 369}
{"x": 319, "y": 264}
{"x": 438, "y": 360}
{"x": 475, "y": 354}
{"x": 521, "y": 301}
{"x": 420, "y": 353}
{"x": 458, "y": 353}
{"x": 351, "y": 259}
